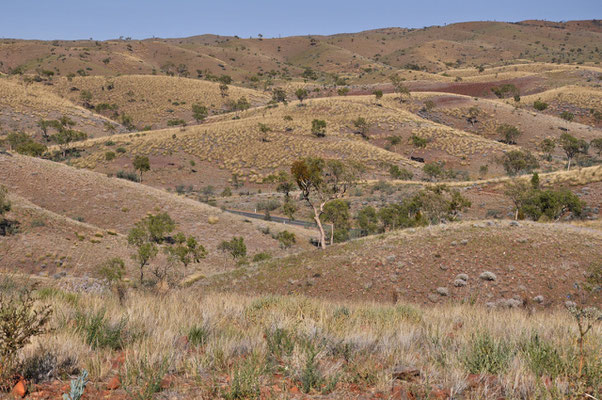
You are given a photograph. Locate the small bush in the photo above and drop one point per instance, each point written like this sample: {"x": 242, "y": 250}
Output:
{"x": 487, "y": 355}
{"x": 542, "y": 357}
{"x": 540, "y": 105}
{"x": 120, "y": 150}
{"x": 245, "y": 380}
{"x": 264, "y": 255}
{"x": 99, "y": 332}
{"x": 236, "y": 247}
{"x": 130, "y": 176}
{"x": 197, "y": 335}
{"x": 286, "y": 239}
{"x": 109, "y": 155}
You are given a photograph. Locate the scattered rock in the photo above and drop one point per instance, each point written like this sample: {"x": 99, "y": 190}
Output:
{"x": 464, "y": 277}
{"x": 20, "y": 389}
{"x": 570, "y": 304}
{"x": 433, "y": 297}
{"x": 464, "y": 242}
{"x": 405, "y": 373}
{"x": 391, "y": 259}
{"x": 59, "y": 275}
{"x": 514, "y": 223}
{"x": 488, "y": 276}
{"x": 114, "y": 383}
{"x": 454, "y": 243}
{"x": 538, "y": 299}
{"x": 443, "y": 267}
{"x": 443, "y": 291}
{"x": 460, "y": 283}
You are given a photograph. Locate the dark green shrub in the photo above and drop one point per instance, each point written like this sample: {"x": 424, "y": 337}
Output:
{"x": 236, "y": 247}
{"x": 485, "y": 354}
{"x": 286, "y": 239}
{"x": 540, "y": 105}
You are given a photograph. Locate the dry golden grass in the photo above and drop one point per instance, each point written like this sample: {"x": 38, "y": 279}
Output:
{"x": 238, "y": 146}
{"x": 244, "y": 341}
{"x": 577, "y": 96}
{"x": 148, "y": 99}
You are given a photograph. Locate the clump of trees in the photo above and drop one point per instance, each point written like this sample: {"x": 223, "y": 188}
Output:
{"x": 151, "y": 234}
{"x": 530, "y": 201}
{"x": 429, "y": 206}
{"x": 24, "y": 144}
{"x": 509, "y": 133}
{"x": 517, "y": 162}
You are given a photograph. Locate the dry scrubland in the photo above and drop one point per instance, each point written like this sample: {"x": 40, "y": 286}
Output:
{"x": 116, "y": 204}
{"x": 193, "y": 346}
{"x": 154, "y": 100}
{"x": 241, "y": 148}
{"x": 23, "y": 105}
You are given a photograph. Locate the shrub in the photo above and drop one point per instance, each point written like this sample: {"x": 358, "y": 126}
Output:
{"x": 400, "y": 173}
{"x": 130, "y": 176}
{"x": 98, "y": 332}
{"x": 567, "y": 115}
{"x": 120, "y": 150}
{"x": 197, "y": 335}
{"x": 286, "y": 239}
{"x": 509, "y": 133}
{"x": 540, "y": 105}
{"x": 78, "y": 386}
{"x": 20, "y": 321}
{"x": 264, "y": 255}
{"x": 236, "y": 247}
{"x": 487, "y": 355}
{"x": 542, "y": 357}
{"x": 245, "y": 379}
{"x": 24, "y": 144}
{"x": 109, "y": 155}
{"x": 112, "y": 269}
{"x": 318, "y": 127}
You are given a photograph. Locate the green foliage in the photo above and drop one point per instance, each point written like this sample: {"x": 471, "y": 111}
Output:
{"x": 367, "y": 220}
{"x": 505, "y": 90}
{"x": 176, "y": 122}
{"x": 24, "y": 144}
{"x": 399, "y": 87}
{"x": 597, "y": 145}
{"x": 280, "y": 343}
{"x": 572, "y": 146}
{"x": 418, "y": 142}
{"x": 547, "y": 147}
{"x": 199, "y": 112}
{"x": 236, "y": 247}
{"x": 287, "y": 239}
{"x": 433, "y": 170}
{"x": 5, "y": 204}
{"x": 552, "y": 204}
{"x": 130, "y": 176}
{"x": 20, "y": 321}
{"x": 542, "y": 357}
{"x": 540, "y": 105}
{"x": 186, "y": 250}
{"x": 279, "y": 95}
{"x": 318, "y": 127}
{"x": 362, "y": 126}
{"x": 109, "y": 155}
{"x": 509, "y": 133}
{"x": 263, "y": 256}
{"x": 486, "y": 354}
{"x": 301, "y": 94}
{"x": 141, "y": 164}
{"x": 245, "y": 379}
{"x": 143, "y": 379}
{"x": 567, "y": 115}
{"x": 198, "y": 335}
{"x": 77, "y": 388}
{"x": 145, "y": 236}
{"x": 99, "y": 333}
{"x": 378, "y": 94}
{"x": 517, "y": 162}
{"x": 112, "y": 269}
{"x": 336, "y": 212}
{"x": 400, "y": 173}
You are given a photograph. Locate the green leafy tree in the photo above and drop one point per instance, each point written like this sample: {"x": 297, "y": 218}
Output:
{"x": 367, "y": 220}
{"x": 301, "y": 94}
{"x": 572, "y": 146}
{"x": 236, "y": 247}
{"x": 113, "y": 269}
{"x": 418, "y": 142}
{"x": 378, "y": 94}
{"x": 399, "y": 87}
{"x": 547, "y": 147}
{"x": 5, "y": 204}
{"x": 321, "y": 181}
{"x": 264, "y": 129}
{"x": 24, "y": 144}
{"x": 186, "y": 250}
{"x": 336, "y": 212}
{"x": 141, "y": 164}
{"x": 279, "y": 95}
{"x": 433, "y": 170}
{"x": 517, "y": 162}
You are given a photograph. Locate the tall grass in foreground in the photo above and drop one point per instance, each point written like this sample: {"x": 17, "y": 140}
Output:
{"x": 230, "y": 346}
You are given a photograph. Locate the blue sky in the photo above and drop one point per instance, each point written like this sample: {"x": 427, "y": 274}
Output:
{"x": 105, "y": 19}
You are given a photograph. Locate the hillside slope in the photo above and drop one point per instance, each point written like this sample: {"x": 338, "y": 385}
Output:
{"x": 112, "y": 203}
